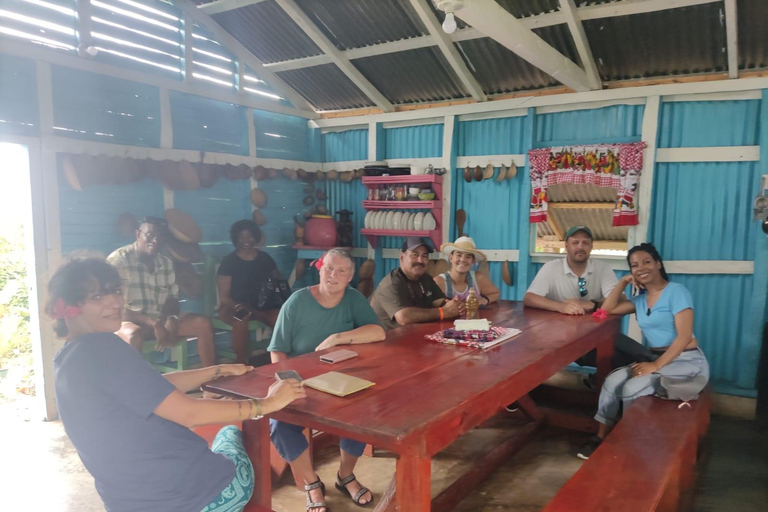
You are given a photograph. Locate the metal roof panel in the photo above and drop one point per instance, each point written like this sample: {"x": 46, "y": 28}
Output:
{"x": 414, "y": 76}
{"x": 363, "y": 22}
{"x": 326, "y": 87}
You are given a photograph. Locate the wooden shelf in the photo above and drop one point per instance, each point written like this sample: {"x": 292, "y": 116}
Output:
{"x": 373, "y": 234}
{"x": 409, "y": 178}
{"x": 401, "y": 205}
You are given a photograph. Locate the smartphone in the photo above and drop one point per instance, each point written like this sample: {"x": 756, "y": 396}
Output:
{"x": 338, "y": 356}
{"x": 288, "y": 374}
{"x": 241, "y": 314}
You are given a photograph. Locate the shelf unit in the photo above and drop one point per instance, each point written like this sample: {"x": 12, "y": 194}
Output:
{"x": 435, "y": 206}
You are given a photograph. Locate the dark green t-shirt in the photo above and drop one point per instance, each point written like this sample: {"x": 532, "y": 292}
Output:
{"x": 303, "y": 323}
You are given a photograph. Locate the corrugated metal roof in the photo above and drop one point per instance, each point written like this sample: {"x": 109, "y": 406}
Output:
{"x": 326, "y": 87}
{"x": 412, "y": 77}
{"x": 753, "y": 36}
{"x": 672, "y": 42}
{"x": 680, "y": 41}
{"x": 568, "y": 193}
{"x": 600, "y": 221}
{"x": 363, "y": 22}
{"x": 267, "y": 32}
{"x": 525, "y": 8}
{"x": 498, "y": 70}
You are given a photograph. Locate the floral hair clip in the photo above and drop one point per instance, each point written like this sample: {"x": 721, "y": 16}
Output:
{"x": 63, "y": 311}
{"x": 600, "y": 315}
{"x": 318, "y": 263}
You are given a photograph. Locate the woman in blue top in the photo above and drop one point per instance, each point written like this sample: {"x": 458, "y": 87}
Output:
{"x": 664, "y": 312}
{"x": 315, "y": 318}
{"x": 130, "y": 424}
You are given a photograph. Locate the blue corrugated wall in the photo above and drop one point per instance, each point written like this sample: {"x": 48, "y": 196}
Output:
{"x": 18, "y": 89}
{"x": 702, "y": 211}
{"x": 413, "y": 141}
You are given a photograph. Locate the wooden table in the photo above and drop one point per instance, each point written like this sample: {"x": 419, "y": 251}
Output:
{"x": 427, "y": 395}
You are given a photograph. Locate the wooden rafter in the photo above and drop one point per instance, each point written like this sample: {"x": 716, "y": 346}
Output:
{"x": 218, "y": 6}
{"x": 450, "y": 52}
{"x": 495, "y": 22}
{"x": 568, "y": 7}
{"x": 336, "y": 55}
{"x": 590, "y": 12}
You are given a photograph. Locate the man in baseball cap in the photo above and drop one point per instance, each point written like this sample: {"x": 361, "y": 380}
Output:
{"x": 408, "y": 294}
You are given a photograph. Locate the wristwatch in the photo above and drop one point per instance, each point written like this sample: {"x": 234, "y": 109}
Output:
{"x": 175, "y": 317}
{"x": 597, "y": 306}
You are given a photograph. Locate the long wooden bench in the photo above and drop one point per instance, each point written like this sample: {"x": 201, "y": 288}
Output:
{"x": 647, "y": 463}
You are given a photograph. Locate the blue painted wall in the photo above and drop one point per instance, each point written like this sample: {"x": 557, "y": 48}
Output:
{"x": 413, "y": 141}
{"x": 208, "y": 125}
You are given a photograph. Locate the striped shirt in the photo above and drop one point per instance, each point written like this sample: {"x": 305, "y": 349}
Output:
{"x": 145, "y": 292}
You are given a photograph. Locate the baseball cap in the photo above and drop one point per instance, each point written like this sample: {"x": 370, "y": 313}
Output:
{"x": 412, "y": 242}
{"x": 575, "y": 229}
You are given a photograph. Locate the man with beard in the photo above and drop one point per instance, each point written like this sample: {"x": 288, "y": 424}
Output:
{"x": 578, "y": 285}
{"x": 409, "y": 295}
{"x": 150, "y": 292}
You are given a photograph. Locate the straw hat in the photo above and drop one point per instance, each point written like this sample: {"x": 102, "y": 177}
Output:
{"x": 463, "y": 244}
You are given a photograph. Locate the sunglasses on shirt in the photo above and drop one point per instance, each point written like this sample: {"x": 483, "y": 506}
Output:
{"x": 583, "y": 287}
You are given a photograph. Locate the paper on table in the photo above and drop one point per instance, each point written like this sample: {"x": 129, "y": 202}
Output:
{"x": 337, "y": 383}
{"x": 501, "y": 339}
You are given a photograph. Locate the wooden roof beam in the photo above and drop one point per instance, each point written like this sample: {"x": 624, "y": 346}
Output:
{"x": 243, "y": 55}
{"x": 591, "y": 12}
{"x": 450, "y": 52}
{"x": 568, "y": 7}
{"x": 494, "y": 21}
{"x": 225, "y": 5}
{"x": 336, "y": 55}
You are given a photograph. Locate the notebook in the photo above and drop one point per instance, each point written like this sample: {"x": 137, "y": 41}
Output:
{"x": 337, "y": 383}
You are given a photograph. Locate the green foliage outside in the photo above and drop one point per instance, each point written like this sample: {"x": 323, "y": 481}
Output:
{"x": 15, "y": 344}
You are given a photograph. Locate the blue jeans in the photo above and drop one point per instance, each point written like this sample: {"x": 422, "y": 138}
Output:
{"x": 621, "y": 389}
{"x": 234, "y": 497}
{"x": 290, "y": 442}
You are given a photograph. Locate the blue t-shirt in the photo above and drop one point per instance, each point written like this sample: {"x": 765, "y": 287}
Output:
{"x": 659, "y": 327}
{"x": 303, "y": 323}
{"x": 106, "y": 395}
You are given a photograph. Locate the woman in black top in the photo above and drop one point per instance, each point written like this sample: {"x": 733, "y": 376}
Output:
{"x": 239, "y": 280}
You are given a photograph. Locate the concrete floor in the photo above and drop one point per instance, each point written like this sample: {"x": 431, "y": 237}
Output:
{"x": 41, "y": 470}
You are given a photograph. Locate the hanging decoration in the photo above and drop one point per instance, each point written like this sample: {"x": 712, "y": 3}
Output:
{"x": 603, "y": 165}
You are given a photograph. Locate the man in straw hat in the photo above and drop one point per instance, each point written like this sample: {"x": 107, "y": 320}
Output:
{"x": 409, "y": 295}
{"x": 461, "y": 278}
{"x": 150, "y": 292}
{"x": 578, "y": 285}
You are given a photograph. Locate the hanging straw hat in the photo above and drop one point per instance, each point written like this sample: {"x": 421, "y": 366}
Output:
{"x": 463, "y": 244}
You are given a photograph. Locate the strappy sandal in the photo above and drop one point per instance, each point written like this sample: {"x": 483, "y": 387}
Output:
{"x": 342, "y": 486}
{"x": 316, "y": 504}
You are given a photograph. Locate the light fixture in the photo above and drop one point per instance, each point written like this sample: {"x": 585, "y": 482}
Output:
{"x": 449, "y": 25}
{"x": 449, "y": 7}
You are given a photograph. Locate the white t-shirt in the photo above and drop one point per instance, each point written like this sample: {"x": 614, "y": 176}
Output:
{"x": 556, "y": 281}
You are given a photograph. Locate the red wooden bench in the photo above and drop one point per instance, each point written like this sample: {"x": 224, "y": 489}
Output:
{"x": 646, "y": 463}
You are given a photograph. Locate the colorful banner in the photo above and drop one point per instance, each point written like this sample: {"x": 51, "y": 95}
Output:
{"x": 602, "y": 165}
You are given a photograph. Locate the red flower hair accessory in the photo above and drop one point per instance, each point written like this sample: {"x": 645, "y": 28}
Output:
{"x": 63, "y": 311}
{"x": 600, "y": 315}
{"x": 318, "y": 263}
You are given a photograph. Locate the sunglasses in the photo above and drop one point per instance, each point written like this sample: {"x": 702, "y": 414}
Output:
{"x": 583, "y": 287}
